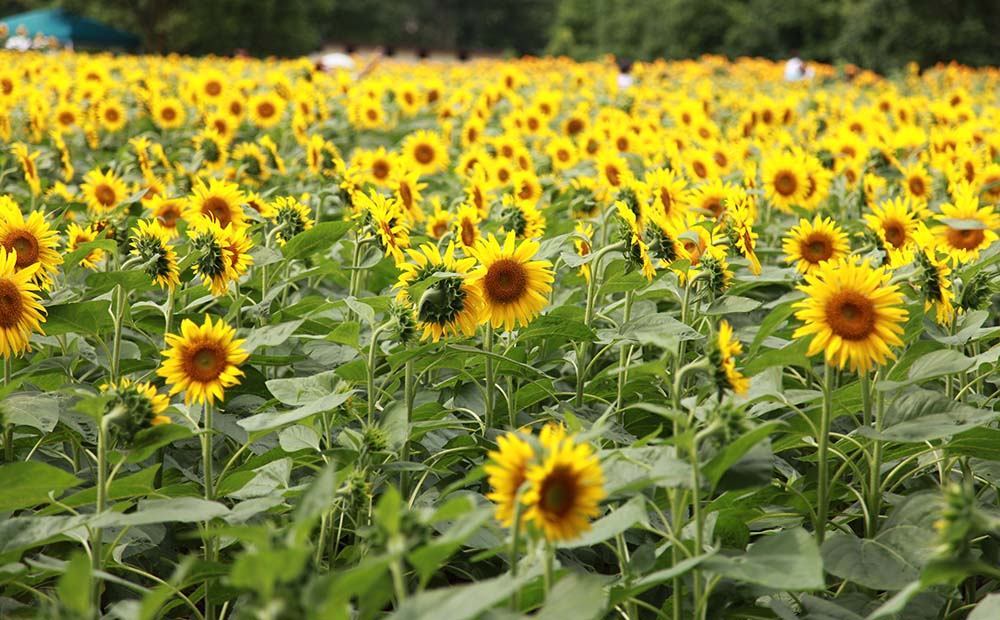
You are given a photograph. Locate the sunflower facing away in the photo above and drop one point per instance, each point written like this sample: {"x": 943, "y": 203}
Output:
{"x": 32, "y": 239}
{"x": 20, "y": 311}
{"x": 853, "y": 314}
{"x": 566, "y": 487}
{"x": 144, "y": 405}
{"x": 450, "y": 305}
{"x": 202, "y": 360}
{"x": 514, "y": 285}
{"x": 507, "y": 471}
{"x": 811, "y": 244}
{"x": 151, "y": 242}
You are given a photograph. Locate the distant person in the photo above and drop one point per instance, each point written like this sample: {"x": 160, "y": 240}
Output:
{"x": 796, "y": 69}
{"x": 625, "y": 78}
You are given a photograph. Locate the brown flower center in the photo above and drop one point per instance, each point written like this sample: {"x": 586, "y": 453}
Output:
{"x": 380, "y": 169}
{"x": 816, "y": 248}
{"x": 213, "y": 88}
{"x": 851, "y": 315}
{"x": 714, "y": 205}
{"x": 205, "y": 362}
{"x": 66, "y": 118}
{"x": 219, "y": 209}
{"x": 468, "y": 233}
{"x": 574, "y": 126}
{"x": 168, "y": 114}
{"x": 440, "y": 228}
{"x": 424, "y": 153}
{"x": 265, "y": 109}
{"x": 700, "y": 170}
{"x": 11, "y": 304}
{"x": 613, "y": 175}
{"x": 917, "y": 187}
{"x": 965, "y": 239}
{"x": 26, "y": 246}
{"x": 111, "y": 115}
{"x": 559, "y": 491}
{"x": 895, "y": 233}
{"x": 506, "y": 281}
{"x": 105, "y": 195}
{"x": 666, "y": 200}
{"x": 785, "y": 183}
{"x": 405, "y": 195}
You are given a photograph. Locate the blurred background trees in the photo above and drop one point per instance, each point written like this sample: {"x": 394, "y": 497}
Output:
{"x": 878, "y": 34}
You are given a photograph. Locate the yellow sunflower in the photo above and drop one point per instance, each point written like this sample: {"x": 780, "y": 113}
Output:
{"x": 290, "y": 216}
{"x": 32, "y": 239}
{"x": 250, "y": 163}
{"x": 266, "y": 109}
{"x": 917, "y": 183}
{"x": 811, "y": 244}
{"x": 387, "y": 222}
{"x": 934, "y": 279}
{"x": 566, "y": 488}
{"x": 966, "y": 228}
{"x": 507, "y": 471}
{"x": 450, "y": 305}
{"x": 852, "y": 313}
{"x": 467, "y": 231}
{"x": 167, "y": 212}
{"x": 514, "y": 285}
{"x": 168, "y": 113}
{"x": 711, "y": 197}
{"x": 76, "y": 236}
{"x": 202, "y": 361}
{"x": 103, "y": 191}
{"x": 785, "y": 181}
{"x": 323, "y": 158}
{"x": 151, "y": 242}
{"x": 406, "y": 185}
{"x": 668, "y": 194}
{"x": 727, "y": 347}
{"x": 28, "y": 167}
{"x": 20, "y": 310}
{"x": 582, "y": 244}
{"x": 219, "y": 200}
{"x": 112, "y": 114}
{"x": 896, "y": 224}
{"x": 439, "y": 223}
{"x": 425, "y": 152}
{"x": 213, "y": 148}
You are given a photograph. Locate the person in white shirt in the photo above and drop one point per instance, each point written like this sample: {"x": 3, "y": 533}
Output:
{"x": 796, "y": 69}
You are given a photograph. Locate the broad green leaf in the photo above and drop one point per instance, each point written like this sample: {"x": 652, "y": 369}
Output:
{"x": 617, "y": 521}
{"x": 262, "y": 570}
{"x": 735, "y": 450}
{"x": 732, "y": 304}
{"x": 580, "y": 596}
{"x": 298, "y": 391}
{"x": 980, "y": 443}
{"x": 74, "y": 584}
{"x": 429, "y": 558}
{"x": 317, "y": 239}
{"x": 788, "y": 560}
{"x": 620, "y": 592}
{"x": 149, "y": 440}
{"x": 271, "y": 420}
{"x": 930, "y": 366}
{"x": 22, "y": 533}
{"x": 635, "y": 468}
{"x": 176, "y": 509}
{"x": 922, "y": 415}
{"x": 28, "y": 483}
{"x": 298, "y": 437}
{"x": 83, "y": 317}
{"x": 39, "y": 411}
{"x": 271, "y": 335}
{"x": 890, "y": 561}
{"x": 661, "y": 329}
{"x": 461, "y": 602}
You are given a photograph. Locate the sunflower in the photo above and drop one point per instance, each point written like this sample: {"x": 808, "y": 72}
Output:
{"x": 521, "y": 217}
{"x": 739, "y": 225}
{"x": 562, "y": 153}
{"x": 852, "y": 313}
{"x": 274, "y": 158}
{"x": 507, "y": 471}
{"x": 479, "y": 192}
{"x": 724, "y": 363}
{"x": 966, "y": 229}
{"x": 613, "y": 171}
{"x": 566, "y": 488}
{"x": 202, "y": 361}
{"x": 167, "y": 212}
{"x": 290, "y": 216}
{"x": 64, "y": 155}
{"x": 449, "y": 305}
{"x": 236, "y": 245}
{"x": 20, "y": 310}
{"x": 151, "y": 242}
{"x": 28, "y": 167}
{"x": 526, "y": 188}
{"x": 213, "y": 148}
{"x": 784, "y": 180}
{"x": 67, "y": 115}
{"x": 214, "y": 262}
{"x": 266, "y": 109}
{"x": 103, "y": 191}
{"x": 467, "y": 222}
{"x": 387, "y": 222}
{"x": 811, "y": 244}
{"x": 711, "y": 197}
{"x": 76, "y": 236}
{"x": 700, "y": 165}
{"x": 250, "y": 162}
{"x": 211, "y": 86}
{"x": 33, "y": 241}
{"x": 917, "y": 183}
{"x": 425, "y": 152}
{"x": 582, "y": 243}
{"x": 406, "y": 185}
{"x": 667, "y": 194}
{"x": 219, "y": 200}
{"x": 514, "y": 285}
{"x": 323, "y": 158}
{"x": 636, "y": 250}
{"x": 896, "y": 225}
{"x": 168, "y": 112}
{"x": 112, "y": 114}
{"x": 934, "y": 279}
{"x": 440, "y": 222}
{"x": 144, "y": 406}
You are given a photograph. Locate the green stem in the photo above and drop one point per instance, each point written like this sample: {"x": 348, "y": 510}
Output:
{"x": 408, "y": 396}
{"x": 97, "y": 533}
{"x": 511, "y": 409}
{"x": 372, "y": 350}
{"x": 625, "y": 352}
{"x": 490, "y": 377}
{"x": 206, "y": 455}
{"x": 116, "y": 347}
{"x": 582, "y": 362}
{"x": 549, "y": 568}
{"x": 875, "y": 472}
{"x": 699, "y": 528}
{"x": 823, "y": 445}
{"x": 515, "y": 548}
{"x": 352, "y": 290}
{"x": 8, "y": 429}
{"x": 168, "y": 319}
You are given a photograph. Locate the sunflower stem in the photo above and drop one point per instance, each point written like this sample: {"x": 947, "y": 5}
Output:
{"x": 97, "y": 533}
{"x": 699, "y": 526}
{"x": 625, "y": 353}
{"x": 408, "y": 397}
{"x": 8, "y": 429}
{"x": 515, "y": 548}
{"x": 209, "y": 544}
{"x": 118, "y": 317}
{"x": 875, "y": 473}
{"x": 511, "y": 412}
{"x": 352, "y": 290}
{"x": 822, "y": 449}
{"x": 490, "y": 378}
{"x": 372, "y": 350}
{"x": 583, "y": 363}
{"x": 549, "y": 568}
{"x": 168, "y": 318}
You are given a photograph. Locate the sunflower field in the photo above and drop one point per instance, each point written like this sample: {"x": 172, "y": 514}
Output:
{"x": 496, "y": 340}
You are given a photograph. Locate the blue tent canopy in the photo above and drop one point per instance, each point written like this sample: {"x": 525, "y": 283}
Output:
{"x": 66, "y": 27}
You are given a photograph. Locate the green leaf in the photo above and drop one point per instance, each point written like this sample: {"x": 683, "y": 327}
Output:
{"x": 176, "y": 509}
{"x": 39, "y": 411}
{"x": 890, "y": 561}
{"x": 74, "y": 584}
{"x": 429, "y": 558}
{"x": 980, "y": 443}
{"x": 635, "y": 468}
{"x": 735, "y": 450}
{"x": 930, "y": 366}
{"x": 788, "y": 560}
{"x": 580, "y": 596}
{"x": 271, "y": 420}
{"x": 317, "y": 239}
{"x": 732, "y": 304}
{"x": 558, "y": 326}
{"x": 298, "y": 437}
{"x": 149, "y": 440}
{"x": 262, "y": 570}
{"x": 22, "y": 533}
{"x": 298, "y": 391}
{"x": 28, "y": 483}
{"x": 637, "y": 587}
{"x": 82, "y": 317}
{"x": 271, "y": 335}
{"x": 660, "y": 329}
{"x": 617, "y": 521}
{"x": 922, "y": 415}
{"x": 987, "y": 609}
{"x": 459, "y": 602}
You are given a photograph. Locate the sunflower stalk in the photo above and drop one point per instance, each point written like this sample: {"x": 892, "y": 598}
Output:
{"x": 408, "y": 397}
{"x": 588, "y": 317}
{"x": 119, "y": 318}
{"x": 822, "y": 455}
{"x": 209, "y": 544}
{"x": 515, "y": 547}
{"x": 875, "y": 473}
{"x": 625, "y": 353}
{"x": 97, "y": 533}
{"x": 370, "y": 368}
{"x": 8, "y": 429}
{"x": 490, "y": 377}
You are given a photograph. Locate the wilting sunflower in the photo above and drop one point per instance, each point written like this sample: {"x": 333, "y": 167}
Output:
{"x": 896, "y": 224}
{"x": 20, "y": 311}
{"x": 852, "y": 313}
{"x": 514, "y": 285}
{"x": 966, "y": 229}
{"x": 266, "y": 109}
{"x": 291, "y": 217}
{"x": 28, "y": 167}
{"x": 151, "y": 242}
{"x": 450, "y": 305}
{"x": 168, "y": 112}
{"x": 566, "y": 488}
{"x": 810, "y": 244}
{"x": 202, "y": 361}
{"x": 33, "y": 240}
{"x": 103, "y": 191}
{"x": 507, "y": 471}
{"x": 784, "y": 178}
{"x": 723, "y": 356}
{"x": 219, "y": 200}
{"x": 425, "y": 152}
{"x": 76, "y": 236}
{"x": 386, "y": 221}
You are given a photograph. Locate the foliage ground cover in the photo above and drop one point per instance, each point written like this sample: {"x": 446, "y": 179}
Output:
{"x": 496, "y": 340}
